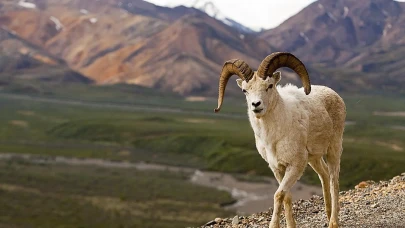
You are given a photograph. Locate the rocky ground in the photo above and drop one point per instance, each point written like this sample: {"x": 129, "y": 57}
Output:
{"x": 370, "y": 205}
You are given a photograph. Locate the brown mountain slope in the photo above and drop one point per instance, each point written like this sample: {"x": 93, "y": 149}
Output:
{"x": 185, "y": 57}
{"x": 22, "y": 61}
{"x": 178, "y": 49}
{"x": 335, "y": 31}
{"x": 346, "y": 44}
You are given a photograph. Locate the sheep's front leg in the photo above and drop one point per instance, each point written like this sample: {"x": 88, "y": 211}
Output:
{"x": 287, "y": 201}
{"x": 288, "y": 211}
{"x": 292, "y": 174}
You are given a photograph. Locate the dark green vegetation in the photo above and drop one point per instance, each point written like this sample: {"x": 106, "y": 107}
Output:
{"x": 65, "y": 196}
{"x": 188, "y": 134}
{"x": 128, "y": 123}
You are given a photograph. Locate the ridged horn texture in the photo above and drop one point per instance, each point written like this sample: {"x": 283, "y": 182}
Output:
{"x": 232, "y": 67}
{"x": 284, "y": 59}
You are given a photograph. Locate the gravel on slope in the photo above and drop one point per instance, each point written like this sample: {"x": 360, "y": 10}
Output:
{"x": 369, "y": 205}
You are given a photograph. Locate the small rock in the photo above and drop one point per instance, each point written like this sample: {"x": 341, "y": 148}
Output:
{"x": 210, "y": 223}
{"x": 375, "y": 205}
{"x": 218, "y": 220}
{"x": 395, "y": 180}
{"x": 362, "y": 184}
{"x": 235, "y": 220}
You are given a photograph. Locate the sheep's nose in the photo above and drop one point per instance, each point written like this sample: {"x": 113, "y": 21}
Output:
{"x": 256, "y": 104}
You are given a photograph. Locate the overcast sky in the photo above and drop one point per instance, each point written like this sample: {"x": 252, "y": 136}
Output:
{"x": 251, "y": 13}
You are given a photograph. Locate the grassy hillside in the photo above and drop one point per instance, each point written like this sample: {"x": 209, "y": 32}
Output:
{"x": 129, "y": 123}
{"x": 35, "y": 195}
{"x": 189, "y": 135}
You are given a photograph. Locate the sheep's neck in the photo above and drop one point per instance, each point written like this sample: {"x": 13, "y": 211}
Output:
{"x": 269, "y": 129}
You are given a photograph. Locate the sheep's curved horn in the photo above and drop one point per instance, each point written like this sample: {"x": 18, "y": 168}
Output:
{"x": 232, "y": 67}
{"x": 284, "y": 59}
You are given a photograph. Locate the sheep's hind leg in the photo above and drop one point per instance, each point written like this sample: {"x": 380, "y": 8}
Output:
{"x": 287, "y": 202}
{"x": 292, "y": 174}
{"x": 320, "y": 167}
{"x": 333, "y": 160}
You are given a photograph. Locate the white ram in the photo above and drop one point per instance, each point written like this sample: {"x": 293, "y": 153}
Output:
{"x": 292, "y": 128}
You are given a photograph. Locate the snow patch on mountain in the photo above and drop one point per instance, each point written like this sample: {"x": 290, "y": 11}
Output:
{"x": 84, "y": 11}
{"x": 58, "y": 24}
{"x": 331, "y": 16}
{"x": 26, "y": 4}
{"x": 93, "y": 20}
{"x": 346, "y": 11}
{"x": 302, "y": 34}
{"x": 209, "y": 8}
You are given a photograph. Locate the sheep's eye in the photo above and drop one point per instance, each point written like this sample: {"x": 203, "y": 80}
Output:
{"x": 270, "y": 86}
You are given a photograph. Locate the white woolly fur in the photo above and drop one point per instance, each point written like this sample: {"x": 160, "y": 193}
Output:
{"x": 293, "y": 129}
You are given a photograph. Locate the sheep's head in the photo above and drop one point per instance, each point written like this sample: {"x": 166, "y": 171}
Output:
{"x": 259, "y": 87}
{"x": 259, "y": 92}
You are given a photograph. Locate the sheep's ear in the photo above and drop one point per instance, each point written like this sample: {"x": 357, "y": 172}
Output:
{"x": 239, "y": 82}
{"x": 276, "y": 76}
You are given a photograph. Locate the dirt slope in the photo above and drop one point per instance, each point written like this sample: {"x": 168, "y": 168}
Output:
{"x": 370, "y": 204}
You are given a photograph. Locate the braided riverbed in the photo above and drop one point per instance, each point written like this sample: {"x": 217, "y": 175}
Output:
{"x": 250, "y": 197}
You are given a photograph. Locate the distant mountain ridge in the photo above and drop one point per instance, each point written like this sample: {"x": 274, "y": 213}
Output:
{"x": 359, "y": 41}
{"x": 132, "y": 41}
{"x": 335, "y": 32}
{"x": 345, "y": 44}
